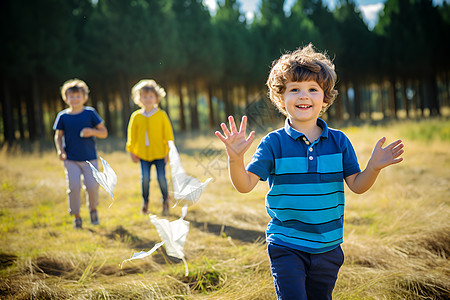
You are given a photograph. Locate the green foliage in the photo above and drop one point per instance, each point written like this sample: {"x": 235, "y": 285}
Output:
{"x": 235, "y": 48}
{"x": 356, "y": 42}
{"x": 139, "y": 38}
{"x": 404, "y": 54}
{"x": 114, "y": 43}
{"x": 196, "y": 43}
{"x": 41, "y": 38}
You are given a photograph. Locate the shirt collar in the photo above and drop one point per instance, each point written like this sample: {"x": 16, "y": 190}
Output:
{"x": 150, "y": 113}
{"x": 297, "y": 134}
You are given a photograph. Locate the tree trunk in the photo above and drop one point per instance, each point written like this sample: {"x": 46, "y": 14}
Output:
{"x": 338, "y": 105}
{"x": 369, "y": 102}
{"x": 20, "y": 119}
{"x": 432, "y": 89}
{"x": 357, "y": 101}
{"x": 180, "y": 96}
{"x": 53, "y": 110}
{"x": 7, "y": 114}
{"x": 37, "y": 108}
{"x": 46, "y": 110}
{"x": 404, "y": 97}
{"x": 165, "y": 104}
{"x": 94, "y": 99}
{"x": 247, "y": 95}
{"x": 415, "y": 98}
{"x": 381, "y": 100}
{"x": 124, "y": 91}
{"x": 392, "y": 98}
{"x": 193, "y": 105}
{"x": 421, "y": 97}
{"x": 210, "y": 108}
{"x": 30, "y": 115}
{"x": 347, "y": 102}
{"x": 229, "y": 109}
{"x": 107, "y": 111}
{"x": 446, "y": 80}
{"x": 339, "y": 109}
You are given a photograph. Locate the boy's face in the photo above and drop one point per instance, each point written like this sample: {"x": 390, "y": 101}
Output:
{"x": 303, "y": 101}
{"x": 76, "y": 100}
{"x": 148, "y": 98}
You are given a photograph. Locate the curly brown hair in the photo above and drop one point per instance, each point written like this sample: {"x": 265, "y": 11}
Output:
{"x": 304, "y": 64}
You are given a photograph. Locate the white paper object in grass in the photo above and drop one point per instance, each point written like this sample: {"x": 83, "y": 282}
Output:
{"x": 107, "y": 179}
{"x": 142, "y": 254}
{"x": 185, "y": 187}
{"x": 173, "y": 235}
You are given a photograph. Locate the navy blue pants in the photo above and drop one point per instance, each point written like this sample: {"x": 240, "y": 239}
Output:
{"x": 299, "y": 275}
{"x": 145, "y": 178}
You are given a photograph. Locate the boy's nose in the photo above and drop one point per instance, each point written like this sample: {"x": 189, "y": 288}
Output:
{"x": 303, "y": 94}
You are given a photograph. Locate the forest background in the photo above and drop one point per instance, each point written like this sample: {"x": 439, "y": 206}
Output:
{"x": 214, "y": 65}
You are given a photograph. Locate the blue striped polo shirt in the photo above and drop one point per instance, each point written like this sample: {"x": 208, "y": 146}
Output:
{"x": 306, "y": 186}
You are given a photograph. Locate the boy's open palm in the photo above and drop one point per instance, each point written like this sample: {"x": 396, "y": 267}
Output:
{"x": 235, "y": 142}
{"x": 383, "y": 157}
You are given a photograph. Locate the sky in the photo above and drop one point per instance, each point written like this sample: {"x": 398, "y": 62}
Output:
{"x": 369, "y": 8}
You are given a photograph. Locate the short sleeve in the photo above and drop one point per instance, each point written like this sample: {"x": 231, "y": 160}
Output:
{"x": 58, "y": 125}
{"x": 96, "y": 119}
{"x": 350, "y": 161}
{"x": 262, "y": 162}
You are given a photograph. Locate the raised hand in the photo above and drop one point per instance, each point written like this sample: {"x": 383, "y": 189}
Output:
{"x": 235, "y": 142}
{"x": 383, "y": 157}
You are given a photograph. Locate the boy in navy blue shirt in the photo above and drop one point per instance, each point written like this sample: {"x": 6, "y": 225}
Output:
{"x": 75, "y": 131}
{"x": 305, "y": 163}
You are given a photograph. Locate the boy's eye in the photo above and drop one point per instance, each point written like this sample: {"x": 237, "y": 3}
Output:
{"x": 294, "y": 90}
{"x": 313, "y": 90}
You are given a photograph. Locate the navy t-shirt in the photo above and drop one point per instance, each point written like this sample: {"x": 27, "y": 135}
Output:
{"x": 78, "y": 148}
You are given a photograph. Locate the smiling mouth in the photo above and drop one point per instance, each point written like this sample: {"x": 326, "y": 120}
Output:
{"x": 303, "y": 106}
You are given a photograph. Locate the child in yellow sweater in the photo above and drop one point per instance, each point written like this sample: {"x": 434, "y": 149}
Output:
{"x": 149, "y": 132}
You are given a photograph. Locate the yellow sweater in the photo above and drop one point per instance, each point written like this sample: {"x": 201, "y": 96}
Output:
{"x": 158, "y": 130}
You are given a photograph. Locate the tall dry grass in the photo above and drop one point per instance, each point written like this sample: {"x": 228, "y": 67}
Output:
{"x": 397, "y": 235}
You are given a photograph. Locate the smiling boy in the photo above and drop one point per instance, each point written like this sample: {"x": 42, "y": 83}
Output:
{"x": 306, "y": 164}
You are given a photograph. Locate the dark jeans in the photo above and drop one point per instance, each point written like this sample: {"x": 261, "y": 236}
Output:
{"x": 145, "y": 178}
{"x": 299, "y": 275}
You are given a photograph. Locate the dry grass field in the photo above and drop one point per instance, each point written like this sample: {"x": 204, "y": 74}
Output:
{"x": 397, "y": 235}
